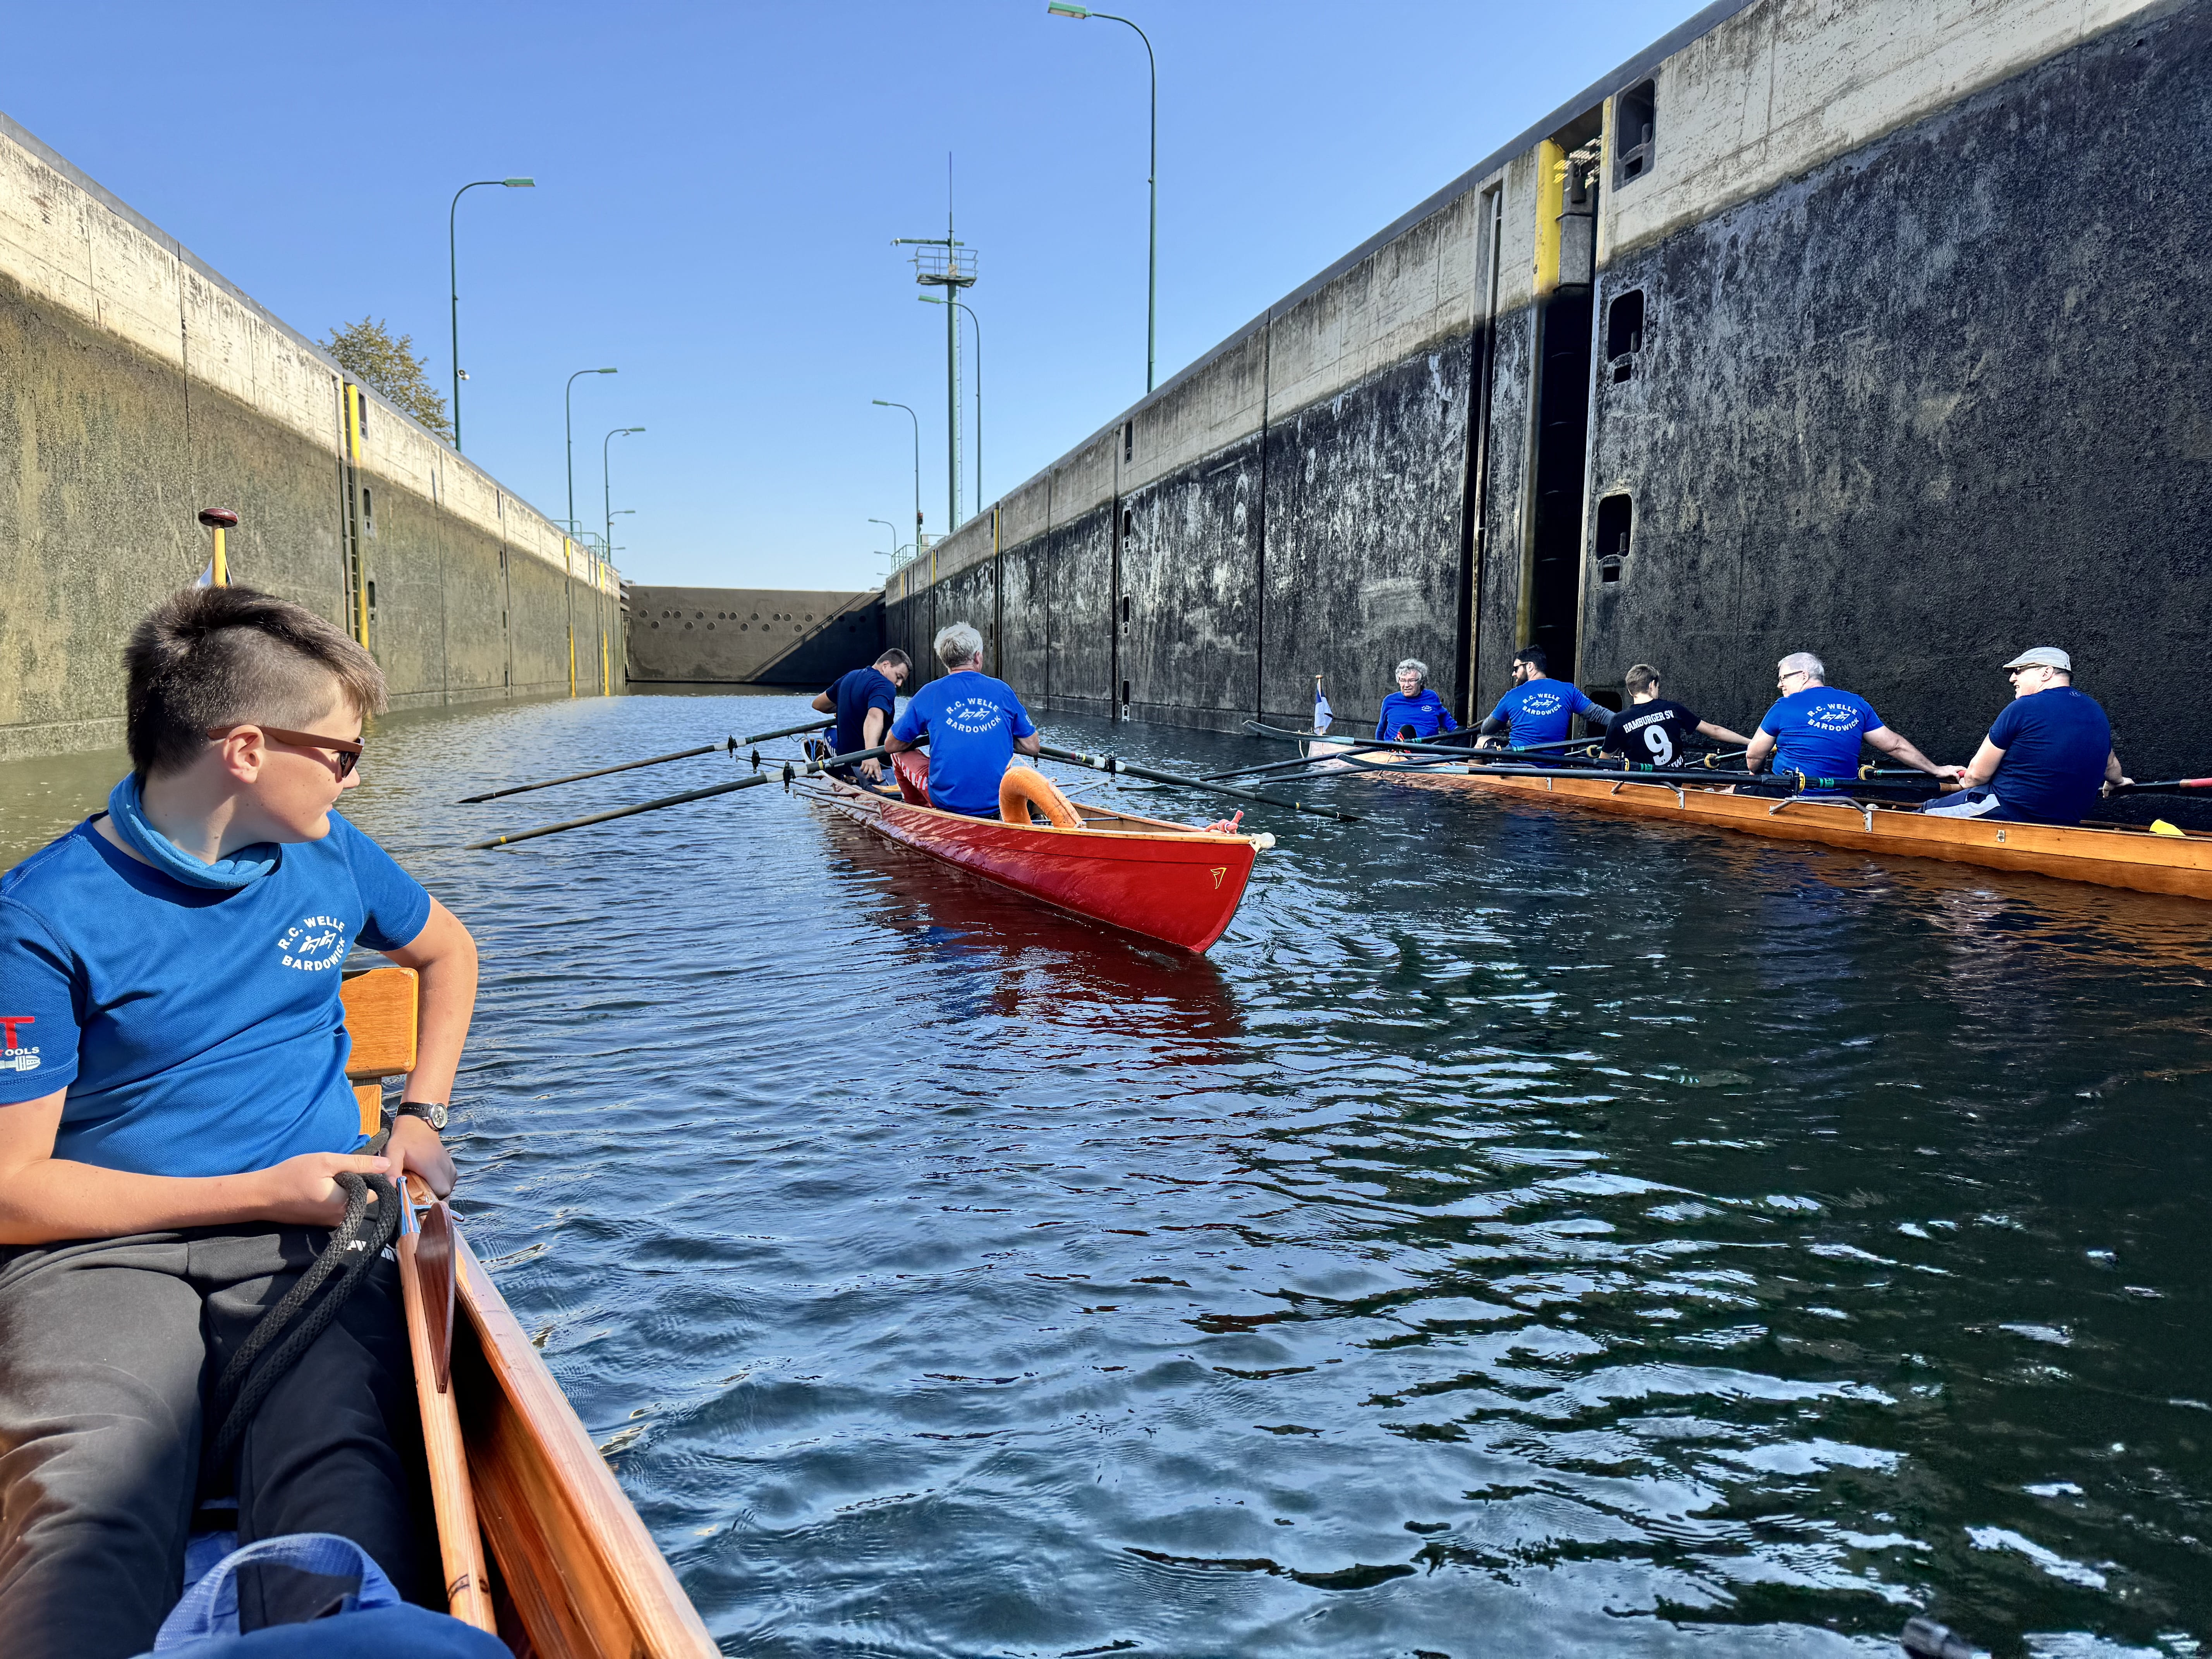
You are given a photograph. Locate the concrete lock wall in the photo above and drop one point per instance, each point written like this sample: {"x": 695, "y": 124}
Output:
{"x": 138, "y": 386}
{"x": 750, "y": 635}
{"x": 1886, "y": 346}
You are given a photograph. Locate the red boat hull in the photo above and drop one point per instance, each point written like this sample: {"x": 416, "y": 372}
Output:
{"x": 1164, "y": 881}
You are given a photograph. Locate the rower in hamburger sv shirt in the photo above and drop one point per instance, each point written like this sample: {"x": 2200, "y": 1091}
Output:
{"x": 1653, "y": 731}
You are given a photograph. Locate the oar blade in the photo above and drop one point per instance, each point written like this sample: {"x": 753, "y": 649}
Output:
{"x": 433, "y": 1265}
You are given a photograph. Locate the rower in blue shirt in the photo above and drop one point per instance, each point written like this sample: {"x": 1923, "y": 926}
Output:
{"x": 974, "y": 725}
{"x": 1814, "y": 731}
{"x": 866, "y": 702}
{"x": 1413, "y": 712}
{"x": 1539, "y": 709}
{"x": 2048, "y": 756}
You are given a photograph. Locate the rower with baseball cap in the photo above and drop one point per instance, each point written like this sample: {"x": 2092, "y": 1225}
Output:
{"x": 2048, "y": 756}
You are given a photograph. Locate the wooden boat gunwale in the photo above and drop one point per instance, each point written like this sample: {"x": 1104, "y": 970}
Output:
{"x": 577, "y": 1574}
{"x": 2132, "y": 859}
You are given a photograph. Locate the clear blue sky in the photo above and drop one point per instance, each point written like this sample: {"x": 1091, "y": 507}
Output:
{"x": 718, "y": 186}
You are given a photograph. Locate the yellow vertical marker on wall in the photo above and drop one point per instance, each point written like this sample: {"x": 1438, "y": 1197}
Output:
{"x": 219, "y": 519}
{"x": 360, "y": 553}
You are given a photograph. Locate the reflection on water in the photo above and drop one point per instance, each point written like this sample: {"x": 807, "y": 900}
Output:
{"x": 1524, "y": 1234}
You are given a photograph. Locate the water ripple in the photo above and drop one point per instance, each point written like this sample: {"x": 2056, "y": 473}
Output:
{"x": 1523, "y": 1234}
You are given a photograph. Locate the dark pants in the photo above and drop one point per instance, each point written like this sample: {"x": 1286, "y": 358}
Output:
{"x": 109, "y": 1351}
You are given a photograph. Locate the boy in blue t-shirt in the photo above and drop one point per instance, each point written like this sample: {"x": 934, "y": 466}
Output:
{"x": 173, "y": 1107}
{"x": 865, "y": 702}
{"x": 1539, "y": 709}
{"x": 975, "y": 725}
{"x": 1414, "y": 711}
{"x": 1814, "y": 729}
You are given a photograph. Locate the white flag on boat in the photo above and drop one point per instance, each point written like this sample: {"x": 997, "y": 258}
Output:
{"x": 1322, "y": 714}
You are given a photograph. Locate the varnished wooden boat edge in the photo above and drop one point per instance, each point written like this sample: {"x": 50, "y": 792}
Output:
{"x": 2130, "y": 861}
{"x": 598, "y": 1534}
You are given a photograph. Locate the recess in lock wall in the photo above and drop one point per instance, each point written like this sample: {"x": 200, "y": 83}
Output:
{"x": 1129, "y": 440}
{"x": 372, "y": 593}
{"x": 1615, "y": 520}
{"x": 1125, "y": 696}
{"x": 1624, "y": 332}
{"x": 1635, "y": 117}
{"x": 1125, "y": 611}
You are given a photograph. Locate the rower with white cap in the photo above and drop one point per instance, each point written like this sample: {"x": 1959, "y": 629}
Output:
{"x": 2047, "y": 756}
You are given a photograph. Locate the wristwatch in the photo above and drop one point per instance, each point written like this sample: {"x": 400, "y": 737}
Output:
{"x": 432, "y": 1112}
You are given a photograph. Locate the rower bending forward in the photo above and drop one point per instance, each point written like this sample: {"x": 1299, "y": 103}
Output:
{"x": 975, "y": 725}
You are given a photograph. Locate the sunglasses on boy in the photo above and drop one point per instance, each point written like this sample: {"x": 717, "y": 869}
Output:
{"x": 347, "y": 752}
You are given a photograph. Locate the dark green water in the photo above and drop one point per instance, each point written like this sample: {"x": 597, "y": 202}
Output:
{"x": 1524, "y": 1235}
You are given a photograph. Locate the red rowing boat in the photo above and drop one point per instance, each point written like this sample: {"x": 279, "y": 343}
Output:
{"x": 1165, "y": 881}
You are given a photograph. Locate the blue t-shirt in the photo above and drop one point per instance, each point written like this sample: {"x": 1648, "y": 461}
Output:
{"x": 855, "y": 694}
{"x": 1426, "y": 713}
{"x": 1818, "y": 732}
{"x": 2055, "y": 742}
{"x": 197, "y": 1030}
{"x": 1540, "y": 711}
{"x": 972, "y": 721}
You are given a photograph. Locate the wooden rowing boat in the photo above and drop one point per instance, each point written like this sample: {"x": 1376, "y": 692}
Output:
{"x": 1162, "y": 880}
{"x": 572, "y": 1572}
{"x": 2132, "y": 859}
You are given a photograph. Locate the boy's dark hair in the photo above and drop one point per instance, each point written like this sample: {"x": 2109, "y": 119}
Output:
{"x": 1534, "y": 657}
{"x": 229, "y": 656}
{"x": 1640, "y": 679}
{"x": 895, "y": 658}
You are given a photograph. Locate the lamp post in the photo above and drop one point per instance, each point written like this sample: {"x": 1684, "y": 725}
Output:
{"x": 932, "y": 300}
{"x": 454, "y": 270}
{"x": 569, "y": 429}
{"x": 916, "y": 419}
{"x": 606, "y": 483}
{"x": 1061, "y": 9}
{"x": 893, "y": 528}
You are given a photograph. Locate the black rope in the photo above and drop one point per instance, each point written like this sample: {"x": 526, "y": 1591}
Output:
{"x": 285, "y": 1331}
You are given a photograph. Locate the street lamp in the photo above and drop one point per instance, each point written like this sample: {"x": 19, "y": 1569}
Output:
{"x": 1061, "y": 9}
{"x": 454, "y": 270}
{"x": 606, "y": 483}
{"x": 893, "y": 528}
{"x": 568, "y": 427}
{"x": 916, "y": 419}
{"x": 932, "y": 300}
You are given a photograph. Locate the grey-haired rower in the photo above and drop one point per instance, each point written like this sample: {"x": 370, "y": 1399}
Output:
{"x": 975, "y": 725}
{"x": 1414, "y": 711}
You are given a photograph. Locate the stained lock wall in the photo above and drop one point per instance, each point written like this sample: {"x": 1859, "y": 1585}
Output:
{"x": 138, "y": 386}
{"x": 1913, "y": 388}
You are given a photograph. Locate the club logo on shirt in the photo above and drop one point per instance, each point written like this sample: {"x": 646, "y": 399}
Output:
{"x": 313, "y": 945}
{"x": 1832, "y": 717}
{"x": 973, "y": 714}
{"x": 16, "y": 1056}
{"x": 1542, "y": 702}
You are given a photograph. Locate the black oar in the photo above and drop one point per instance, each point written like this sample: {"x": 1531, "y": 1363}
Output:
{"x": 788, "y": 730}
{"x": 578, "y": 777}
{"x": 1114, "y": 765}
{"x": 1796, "y": 780}
{"x": 623, "y": 812}
{"x": 2162, "y": 784}
{"x": 824, "y": 763}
